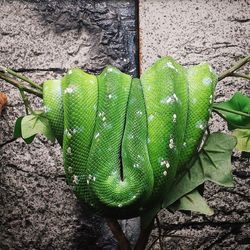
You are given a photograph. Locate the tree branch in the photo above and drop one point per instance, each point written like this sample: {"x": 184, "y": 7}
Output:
{"x": 144, "y": 236}
{"x": 230, "y": 72}
{"x": 7, "y": 142}
{"x": 118, "y": 234}
{"x": 159, "y": 232}
{"x": 21, "y": 77}
{"x": 247, "y": 77}
{"x": 21, "y": 86}
{"x": 26, "y": 102}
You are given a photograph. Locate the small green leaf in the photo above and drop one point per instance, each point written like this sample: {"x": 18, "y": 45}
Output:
{"x": 238, "y": 103}
{"x": 34, "y": 124}
{"x": 213, "y": 164}
{"x": 243, "y": 139}
{"x": 192, "y": 201}
{"x": 18, "y": 131}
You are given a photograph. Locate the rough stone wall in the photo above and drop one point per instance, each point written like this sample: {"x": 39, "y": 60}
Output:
{"x": 43, "y": 39}
{"x": 194, "y": 31}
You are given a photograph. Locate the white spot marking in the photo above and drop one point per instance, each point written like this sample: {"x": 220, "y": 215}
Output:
{"x": 97, "y": 135}
{"x": 136, "y": 165}
{"x": 201, "y": 125}
{"x": 109, "y": 96}
{"x": 175, "y": 97}
{"x": 165, "y": 173}
{"x": 101, "y": 114}
{"x": 134, "y": 196}
{"x": 69, "y": 135}
{"x": 150, "y": 118}
{"x": 110, "y": 69}
{"x": 75, "y": 179}
{"x": 69, "y": 90}
{"x": 69, "y": 151}
{"x": 194, "y": 100}
{"x": 130, "y": 136}
{"x": 169, "y": 99}
{"x": 210, "y": 99}
{"x": 174, "y": 117}
{"x": 184, "y": 144}
{"x": 165, "y": 163}
{"x": 171, "y": 143}
{"x": 45, "y": 109}
{"x": 210, "y": 68}
{"x": 207, "y": 81}
{"x": 170, "y": 65}
{"x": 70, "y": 72}
{"x": 139, "y": 113}
{"x": 70, "y": 170}
{"x": 120, "y": 205}
{"x": 88, "y": 182}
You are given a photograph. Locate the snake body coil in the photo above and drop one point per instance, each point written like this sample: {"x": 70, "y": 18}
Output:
{"x": 126, "y": 140}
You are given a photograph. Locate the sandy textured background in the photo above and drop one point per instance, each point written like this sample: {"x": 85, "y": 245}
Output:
{"x": 194, "y": 31}
{"x": 43, "y": 39}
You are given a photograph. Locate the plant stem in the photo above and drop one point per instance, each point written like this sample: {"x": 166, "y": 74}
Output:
{"x": 21, "y": 86}
{"x": 26, "y": 102}
{"x": 247, "y": 77}
{"x": 216, "y": 108}
{"x": 230, "y": 71}
{"x": 22, "y": 77}
{"x": 144, "y": 236}
{"x": 118, "y": 234}
{"x": 7, "y": 142}
{"x": 159, "y": 231}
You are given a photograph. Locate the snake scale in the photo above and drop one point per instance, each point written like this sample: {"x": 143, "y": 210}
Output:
{"x": 125, "y": 140}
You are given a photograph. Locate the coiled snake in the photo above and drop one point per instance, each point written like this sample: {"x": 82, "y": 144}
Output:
{"x": 126, "y": 140}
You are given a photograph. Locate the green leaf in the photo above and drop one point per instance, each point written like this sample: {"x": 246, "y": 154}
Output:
{"x": 192, "y": 201}
{"x": 18, "y": 131}
{"x": 34, "y": 124}
{"x": 213, "y": 163}
{"x": 243, "y": 139}
{"x": 239, "y": 103}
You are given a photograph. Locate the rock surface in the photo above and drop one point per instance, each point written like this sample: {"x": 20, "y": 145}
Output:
{"x": 43, "y": 39}
{"x": 192, "y": 32}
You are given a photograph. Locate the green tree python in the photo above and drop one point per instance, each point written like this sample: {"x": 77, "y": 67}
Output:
{"x": 125, "y": 140}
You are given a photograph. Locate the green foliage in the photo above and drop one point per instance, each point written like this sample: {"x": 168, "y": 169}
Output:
{"x": 228, "y": 110}
{"x": 192, "y": 201}
{"x": 243, "y": 139}
{"x": 18, "y": 131}
{"x": 28, "y": 126}
{"x": 236, "y": 112}
{"x": 213, "y": 163}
